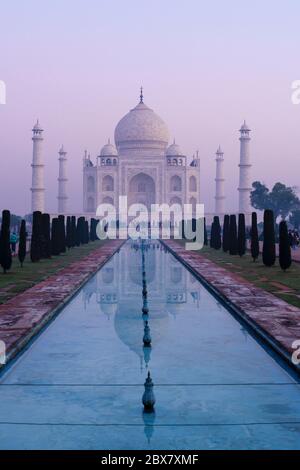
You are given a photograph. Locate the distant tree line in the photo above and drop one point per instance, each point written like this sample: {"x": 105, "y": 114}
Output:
{"x": 282, "y": 200}
{"x": 232, "y": 239}
{"x": 64, "y": 234}
{"x": 48, "y": 238}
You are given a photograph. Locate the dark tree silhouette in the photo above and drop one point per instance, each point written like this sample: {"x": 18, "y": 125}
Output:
{"x": 55, "y": 242}
{"x": 242, "y": 235}
{"x": 226, "y": 234}
{"x": 254, "y": 237}
{"x": 205, "y": 233}
{"x": 80, "y": 231}
{"x": 212, "y": 235}
{"x": 62, "y": 233}
{"x": 217, "y": 233}
{"x": 36, "y": 237}
{"x": 92, "y": 230}
{"x": 68, "y": 233}
{"x": 233, "y": 242}
{"x": 285, "y": 258}
{"x": 22, "y": 243}
{"x": 73, "y": 230}
{"x": 46, "y": 239}
{"x": 86, "y": 232}
{"x": 5, "y": 249}
{"x": 269, "y": 251}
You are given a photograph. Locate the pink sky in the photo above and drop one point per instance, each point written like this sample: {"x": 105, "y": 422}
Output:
{"x": 78, "y": 66}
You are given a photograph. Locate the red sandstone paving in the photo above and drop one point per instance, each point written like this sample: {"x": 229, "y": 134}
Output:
{"x": 24, "y": 312}
{"x": 277, "y": 318}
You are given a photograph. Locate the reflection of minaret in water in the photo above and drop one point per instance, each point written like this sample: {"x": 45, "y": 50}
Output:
{"x": 147, "y": 336}
{"x": 149, "y": 419}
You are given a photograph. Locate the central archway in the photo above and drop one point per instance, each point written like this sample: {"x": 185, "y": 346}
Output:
{"x": 141, "y": 190}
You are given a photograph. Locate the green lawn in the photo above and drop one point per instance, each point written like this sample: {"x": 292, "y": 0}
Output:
{"x": 19, "y": 279}
{"x": 285, "y": 285}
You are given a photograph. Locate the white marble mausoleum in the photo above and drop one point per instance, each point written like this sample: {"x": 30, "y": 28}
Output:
{"x": 141, "y": 165}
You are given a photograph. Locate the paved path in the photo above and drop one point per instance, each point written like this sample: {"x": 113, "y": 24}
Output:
{"x": 24, "y": 315}
{"x": 272, "y": 318}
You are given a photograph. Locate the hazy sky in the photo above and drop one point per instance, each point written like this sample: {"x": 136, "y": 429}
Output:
{"x": 205, "y": 67}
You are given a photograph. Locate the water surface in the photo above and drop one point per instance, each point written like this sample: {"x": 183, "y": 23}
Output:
{"x": 80, "y": 384}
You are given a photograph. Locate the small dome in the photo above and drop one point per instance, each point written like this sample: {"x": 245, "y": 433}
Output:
{"x": 174, "y": 151}
{"x": 140, "y": 127}
{"x": 109, "y": 309}
{"x": 109, "y": 150}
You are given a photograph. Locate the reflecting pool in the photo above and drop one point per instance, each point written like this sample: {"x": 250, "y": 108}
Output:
{"x": 80, "y": 383}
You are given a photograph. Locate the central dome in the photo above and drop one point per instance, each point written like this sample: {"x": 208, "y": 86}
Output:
{"x": 141, "y": 128}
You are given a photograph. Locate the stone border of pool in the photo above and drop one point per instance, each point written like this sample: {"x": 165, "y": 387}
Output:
{"x": 24, "y": 316}
{"x": 272, "y": 319}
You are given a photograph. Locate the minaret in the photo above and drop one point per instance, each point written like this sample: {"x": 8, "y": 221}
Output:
{"x": 37, "y": 188}
{"x": 220, "y": 190}
{"x": 62, "y": 182}
{"x": 245, "y": 168}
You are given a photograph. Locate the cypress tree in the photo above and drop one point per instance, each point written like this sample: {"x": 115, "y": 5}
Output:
{"x": 46, "y": 240}
{"x": 36, "y": 237}
{"x": 226, "y": 234}
{"x": 233, "y": 243}
{"x": 86, "y": 232}
{"x": 5, "y": 249}
{"x": 95, "y": 229}
{"x": 22, "y": 243}
{"x": 91, "y": 230}
{"x": 55, "y": 248}
{"x": 62, "y": 233}
{"x": 254, "y": 237}
{"x": 68, "y": 233}
{"x": 285, "y": 257}
{"x": 269, "y": 251}
{"x": 79, "y": 231}
{"x": 77, "y": 234}
{"x": 82, "y": 230}
{"x": 73, "y": 231}
{"x": 212, "y": 235}
{"x": 217, "y": 234}
{"x": 241, "y": 235}
{"x": 205, "y": 233}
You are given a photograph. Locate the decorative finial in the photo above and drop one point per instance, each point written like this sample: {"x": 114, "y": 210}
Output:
{"x": 141, "y": 96}
{"x": 147, "y": 336}
{"x": 148, "y": 397}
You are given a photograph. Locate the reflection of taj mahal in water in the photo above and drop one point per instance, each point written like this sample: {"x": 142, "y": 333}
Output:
{"x": 170, "y": 284}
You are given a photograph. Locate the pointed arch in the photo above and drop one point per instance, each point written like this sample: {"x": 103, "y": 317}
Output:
{"x": 193, "y": 184}
{"x": 176, "y": 183}
{"x": 108, "y": 183}
{"x": 91, "y": 184}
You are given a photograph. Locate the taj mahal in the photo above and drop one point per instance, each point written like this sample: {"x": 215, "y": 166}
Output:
{"x": 144, "y": 166}
{"x": 141, "y": 165}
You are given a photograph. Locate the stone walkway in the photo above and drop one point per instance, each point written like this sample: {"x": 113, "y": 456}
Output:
{"x": 273, "y": 319}
{"x": 24, "y": 315}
